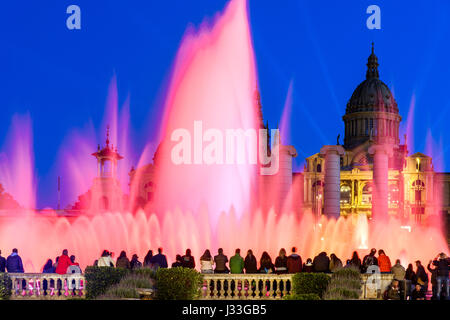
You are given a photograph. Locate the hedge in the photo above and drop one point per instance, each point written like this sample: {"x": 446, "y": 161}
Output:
{"x": 345, "y": 284}
{"x": 306, "y": 296}
{"x": 309, "y": 283}
{"x": 5, "y": 286}
{"x": 178, "y": 284}
{"x": 99, "y": 279}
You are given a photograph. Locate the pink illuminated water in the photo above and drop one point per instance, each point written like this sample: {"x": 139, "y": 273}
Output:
{"x": 198, "y": 206}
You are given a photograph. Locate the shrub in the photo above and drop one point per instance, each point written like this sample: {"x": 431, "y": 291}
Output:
{"x": 99, "y": 279}
{"x": 345, "y": 284}
{"x": 178, "y": 284}
{"x": 5, "y": 286}
{"x": 309, "y": 283}
{"x": 120, "y": 291}
{"x": 137, "y": 281}
{"x": 306, "y": 296}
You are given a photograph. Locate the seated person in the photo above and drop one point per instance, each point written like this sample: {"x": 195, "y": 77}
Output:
{"x": 418, "y": 293}
{"x": 393, "y": 291}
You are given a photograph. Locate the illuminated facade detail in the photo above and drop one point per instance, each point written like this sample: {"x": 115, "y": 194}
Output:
{"x": 410, "y": 188}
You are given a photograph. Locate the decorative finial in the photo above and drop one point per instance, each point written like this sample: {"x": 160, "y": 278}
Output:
{"x": 107, "y": 135}
{"x": 372, "y": 65}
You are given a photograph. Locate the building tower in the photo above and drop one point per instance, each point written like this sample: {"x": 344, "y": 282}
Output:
{"x": 106, "y": 191}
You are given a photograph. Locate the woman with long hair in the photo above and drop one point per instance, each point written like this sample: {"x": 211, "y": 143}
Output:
{"x": 206, "y": 262}
{"x": 147, "y": 259}
{"x": 265, "y": 264}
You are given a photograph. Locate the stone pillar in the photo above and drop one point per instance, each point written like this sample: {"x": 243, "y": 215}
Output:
{"x": 332, "y": 192}
{"x": 285, "y": 172}
{"x": 381, "y": 154}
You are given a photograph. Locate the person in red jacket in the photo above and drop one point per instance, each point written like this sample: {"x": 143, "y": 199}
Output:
{"x": 63, "y": 263}
{"x": 384, "y": 262}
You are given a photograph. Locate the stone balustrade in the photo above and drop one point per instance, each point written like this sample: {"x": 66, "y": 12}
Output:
{"x": 245, "y": 286}
{"x": 215, "y": 286}
{"x": 47, "y": 285}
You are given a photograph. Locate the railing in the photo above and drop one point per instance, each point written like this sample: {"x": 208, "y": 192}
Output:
{"x": 214, "y": 287}
{"x": 245, "y": 286}
{"x": 47, "y": 285}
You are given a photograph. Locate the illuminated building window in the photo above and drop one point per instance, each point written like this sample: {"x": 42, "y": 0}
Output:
{"x": 345, "y": 194}
{"x": 394, "y": 194}
{"x": 366, "y": 197}
{"x": 319, "y": 168}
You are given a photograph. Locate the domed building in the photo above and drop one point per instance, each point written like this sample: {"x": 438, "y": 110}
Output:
{"x": 411, "y": 188}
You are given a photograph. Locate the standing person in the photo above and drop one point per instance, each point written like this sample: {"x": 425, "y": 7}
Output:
{"x": 206, "y": 262}
{"x": 14, "y": 262}
{"x": 105, "y": 260}
{"x": 294, "y": 262}
{"x": 321, "y": 263}
{"x": 2, "y": 263}
{"x": 442, "y": 264}
{"x": 237, "y": 262}
{"x": 433, "y": 271}
{"x": 422, "y": 276}
{"x": 148, "y": 259}
{"x": 188, "y": 260}
{"x": 135, "y": 263}
{"x": 398, "y": 270}
{"x": 221, "y": 262}
{"x": 178, "y": 262}
{"x": 355, "y": 261}
{"x": 384, "y": 262}
{"x": 410, "y": 279}
{"x": 63, "y": 262}
{"x": 281, "y": 262}
{"x": 308, "y": 266}
{"x": 335, "y": 263}
{"x": 123, "y": 261}
{"x": 369, "y": 260}
{"x": 265, "y": 264}
{"x": 250, "y": 264}
{"x": 159, "y": 260}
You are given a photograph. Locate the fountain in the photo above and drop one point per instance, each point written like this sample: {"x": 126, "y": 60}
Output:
{"x": 198, "y": 206}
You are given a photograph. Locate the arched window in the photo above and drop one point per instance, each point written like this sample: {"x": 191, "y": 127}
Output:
{"x": 319, "y": 167}
{"x": 346, "y": 193}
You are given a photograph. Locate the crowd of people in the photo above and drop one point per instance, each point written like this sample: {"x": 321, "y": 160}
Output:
{"x": 406, "y": 282}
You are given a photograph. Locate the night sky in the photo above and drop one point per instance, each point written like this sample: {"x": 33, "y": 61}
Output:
{"x": 60, "y": 77}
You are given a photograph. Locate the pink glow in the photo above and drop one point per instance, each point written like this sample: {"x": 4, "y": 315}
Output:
{"x": 199, "y": 207}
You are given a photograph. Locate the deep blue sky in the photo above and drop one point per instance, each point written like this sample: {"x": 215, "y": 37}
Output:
{"x": 61, "y": 77}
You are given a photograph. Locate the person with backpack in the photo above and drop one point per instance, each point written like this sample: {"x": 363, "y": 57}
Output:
{"x": 369, "y": 260}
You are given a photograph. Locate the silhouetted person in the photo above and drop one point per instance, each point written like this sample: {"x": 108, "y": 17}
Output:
{"x": 178, "y": 262}
{"x": 206, "y": 262}
{"x": 159, "y": 260}
{"x": 321, "y": 262}
{"x": 48, "y": 267}
{"x": 250, "y": 264}
{"x": 105, "y": 260}
{"x": 369, "y": 260}
{"x": 422, "y": 276}
{"x": 335, "y": 263}
{"x": 281, "y": 262}
{"x": 148, "y": 259}
{"x": 384, "y": 262}
{"x": 188, "y": 260}
{"x": 308, "y": 266}
{"x": 265, "y": 264}
{"x": 237, "y": 262}
{"x": 221, "y": 262}
{"x": 135, "y": 263}
{"x": 123, "y": 261}
{"x": 294, "y": 262}
{"x": 442, "y": 264}
{"x": 355, "y": 261}
{"x": 2, "y": 263}
{"x": 14, "y": 262}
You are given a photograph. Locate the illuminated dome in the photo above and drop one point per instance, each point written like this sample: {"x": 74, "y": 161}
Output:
{"x": 372, "y": 112}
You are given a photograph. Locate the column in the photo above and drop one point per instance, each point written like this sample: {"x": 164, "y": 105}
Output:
{"x": 381, "y": 154}
{"x": 332, "y": 192}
